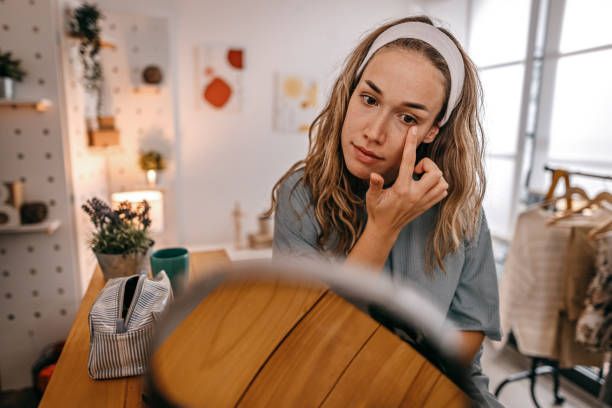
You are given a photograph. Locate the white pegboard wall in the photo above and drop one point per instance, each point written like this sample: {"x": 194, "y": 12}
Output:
{"x": 88, "y": 170}
{"x": 42, "y": 277}
{"x": 145, "y": 119}
{"x": 38, "y": 287}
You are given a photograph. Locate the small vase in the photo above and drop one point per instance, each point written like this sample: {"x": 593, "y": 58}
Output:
{"x": 152, "y": 178}
{"x": 118, "y": 265}
{"x": 7, "y": 88}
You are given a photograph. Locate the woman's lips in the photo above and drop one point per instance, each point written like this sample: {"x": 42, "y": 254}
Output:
{"x": 365, "y": 156}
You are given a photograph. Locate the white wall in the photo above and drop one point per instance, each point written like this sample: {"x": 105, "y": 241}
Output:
{"x": 450, "y": 14}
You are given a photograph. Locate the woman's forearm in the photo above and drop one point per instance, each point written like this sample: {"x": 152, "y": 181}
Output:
{"x": 470, "y": 344}
{"x": 372, "y": 248}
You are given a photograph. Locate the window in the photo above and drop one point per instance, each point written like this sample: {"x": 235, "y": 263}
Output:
{"x": 565, "y": 84}
{"x": 586, "y": 24}
{"x": 497, "y": 42}
{"x": 573, "y": 132}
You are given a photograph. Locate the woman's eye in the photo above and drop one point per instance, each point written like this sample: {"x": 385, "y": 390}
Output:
{"x": 369, "y": 100}
{"x": 408, "y": 119}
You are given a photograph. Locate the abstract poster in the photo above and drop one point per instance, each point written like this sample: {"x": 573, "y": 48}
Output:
{"x": 219, "y": 75}
{"x": 296, "y": 102}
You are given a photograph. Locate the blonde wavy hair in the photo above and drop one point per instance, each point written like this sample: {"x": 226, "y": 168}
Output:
{"x": 457, "y": 150}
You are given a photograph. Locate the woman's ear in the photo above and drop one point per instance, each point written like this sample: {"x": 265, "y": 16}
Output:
{"x": 431, "y": 135}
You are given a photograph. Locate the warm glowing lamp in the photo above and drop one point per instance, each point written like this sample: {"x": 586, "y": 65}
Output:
{"x": 153, "y": 197}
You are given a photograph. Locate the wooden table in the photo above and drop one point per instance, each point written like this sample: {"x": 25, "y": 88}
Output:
{"x": 262, "y": 344}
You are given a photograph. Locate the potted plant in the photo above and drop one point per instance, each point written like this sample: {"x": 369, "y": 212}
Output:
{"x": 121, "y": 240}
{"x": 152, "y": 162}
{"x": 10, "y": 71}
{"x": 84, "y": 25}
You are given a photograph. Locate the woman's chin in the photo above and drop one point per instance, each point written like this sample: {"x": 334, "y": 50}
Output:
{"x": 359, "y": 171}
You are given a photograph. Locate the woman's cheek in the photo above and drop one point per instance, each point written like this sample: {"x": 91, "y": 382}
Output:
{"x": 398, "y": 150}
{"x": 351, "y": 121}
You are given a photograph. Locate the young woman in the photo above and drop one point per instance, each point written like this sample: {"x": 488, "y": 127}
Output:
{"x": 394, "y": 178}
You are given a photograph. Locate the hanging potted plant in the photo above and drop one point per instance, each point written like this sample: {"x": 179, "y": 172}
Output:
{"x": 84, "y": 25}
{"x": 152, "y": 162}
{"x": 121, "y": 240}
{"x": 10, "y": 71}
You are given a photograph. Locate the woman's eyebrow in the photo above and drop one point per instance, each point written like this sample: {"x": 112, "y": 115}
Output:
{"x": 407, "y": 104}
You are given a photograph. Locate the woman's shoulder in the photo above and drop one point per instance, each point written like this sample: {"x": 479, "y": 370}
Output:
{"x": 293, "y": 178}
{"x": 480, "y": 232}
{"x": 294, "y": 191}
{"x": 294, "y": 209}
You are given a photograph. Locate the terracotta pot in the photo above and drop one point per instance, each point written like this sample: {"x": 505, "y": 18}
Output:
{"x": 115, "y": 266}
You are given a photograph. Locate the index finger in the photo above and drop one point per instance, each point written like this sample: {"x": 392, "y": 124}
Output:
{"x": 408, "y": 156}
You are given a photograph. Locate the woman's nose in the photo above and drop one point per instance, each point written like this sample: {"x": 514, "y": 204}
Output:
{"x": 376, "y": 129}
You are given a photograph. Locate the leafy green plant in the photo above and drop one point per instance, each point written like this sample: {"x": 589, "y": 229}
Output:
{"x": 84, "y": 25}
{"x": 11, "y": 68}
{"x": 152, "y": 160}
{"x": 120, "y": 231}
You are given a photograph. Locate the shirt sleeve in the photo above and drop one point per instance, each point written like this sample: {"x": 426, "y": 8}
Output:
{"x": 296, "y": 229}
{"x": 475, "y": 304}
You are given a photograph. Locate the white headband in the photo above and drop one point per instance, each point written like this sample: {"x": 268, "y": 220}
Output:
{"x": 437, "y": 39}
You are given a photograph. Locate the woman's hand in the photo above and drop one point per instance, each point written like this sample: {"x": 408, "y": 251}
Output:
{"x": 390, "y": 209}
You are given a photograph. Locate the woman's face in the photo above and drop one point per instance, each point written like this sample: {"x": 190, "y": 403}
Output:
{"x": 398, "y": 89}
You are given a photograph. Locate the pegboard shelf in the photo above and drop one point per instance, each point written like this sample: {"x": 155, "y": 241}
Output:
{"x": 103, "y": 44}
{"x": 40, "y": 105}
{"x": 147, "y": 89}
{"x": 48, "y": 227}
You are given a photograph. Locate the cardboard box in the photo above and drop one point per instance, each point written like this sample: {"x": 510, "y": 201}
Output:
{"x": 106, "y": 123}
{"x": 103, "y": 138}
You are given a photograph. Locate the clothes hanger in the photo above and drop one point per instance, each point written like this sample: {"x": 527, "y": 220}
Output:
{"x": 556, "y": 176}
{"x": 569, "y": 193}
{"x": 600, "y": 198}
{"x": 605, "y": 227}
{"x": 580, "y": 192}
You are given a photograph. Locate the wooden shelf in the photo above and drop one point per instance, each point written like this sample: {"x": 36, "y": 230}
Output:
{"x": 103, "y": 137}
{"x": 147, "y": 89}
{"x": 40, "y": 105}
{"x": 103, "y": 44}
{"x": 48, "y": 227}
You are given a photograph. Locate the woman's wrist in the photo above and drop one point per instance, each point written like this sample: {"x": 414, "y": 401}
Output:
{"x": 373, "y": 246}
{"x": 385, "y": 236}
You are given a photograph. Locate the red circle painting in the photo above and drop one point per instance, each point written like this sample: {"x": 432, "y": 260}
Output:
{"x": 217, "y": 92}
{"x": 234, "y": 57}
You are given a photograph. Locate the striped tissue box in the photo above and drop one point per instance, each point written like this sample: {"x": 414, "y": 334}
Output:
{"x": 121, "y": 323}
